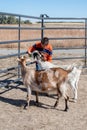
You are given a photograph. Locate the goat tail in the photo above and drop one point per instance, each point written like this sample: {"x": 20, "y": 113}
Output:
{"x": 69, "y": 70}
{"x": 78, "y": 65}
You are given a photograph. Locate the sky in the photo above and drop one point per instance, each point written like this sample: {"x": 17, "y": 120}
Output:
{"x": 53, "y": 8}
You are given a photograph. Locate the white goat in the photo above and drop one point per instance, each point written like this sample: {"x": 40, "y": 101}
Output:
{"x": 45, "y": 81}
{"x": 73, "y": 77}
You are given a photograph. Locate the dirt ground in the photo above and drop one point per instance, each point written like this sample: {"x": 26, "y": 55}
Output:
{"x": 14, "y": 117}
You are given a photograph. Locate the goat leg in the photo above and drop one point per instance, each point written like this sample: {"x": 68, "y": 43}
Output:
{"x": 57, "y": 101}
{"x": 75, "y": 94}
{"x": 66, "y": 103}
{"x": 28, "y": 98}
{"x": 37, "y": 102}
{"x": 25, "y": 105}
{"x": 58, "y": 96}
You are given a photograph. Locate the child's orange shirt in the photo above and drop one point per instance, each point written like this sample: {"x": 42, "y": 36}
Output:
{"x": 47, "y": 51}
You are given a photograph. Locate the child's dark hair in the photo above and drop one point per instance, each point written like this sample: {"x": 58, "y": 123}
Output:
{"x": 45, "y": 40}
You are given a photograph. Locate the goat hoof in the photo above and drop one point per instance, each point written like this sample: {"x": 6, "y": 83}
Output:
{"x": 26, "y": 106}
{"x": 55, "y": 105}
{"x": 37, "y": 104}
{"x": 47, "y": 95}
{"x": 66, "y": 109}
{"x": 74, "y": 100}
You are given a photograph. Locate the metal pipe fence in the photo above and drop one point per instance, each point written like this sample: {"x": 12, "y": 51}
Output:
{"x": 42, "y": 20}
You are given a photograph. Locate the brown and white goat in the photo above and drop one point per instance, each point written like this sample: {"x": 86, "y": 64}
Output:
{"x": 45, "y": 81}
{"x": 73, "y": 77}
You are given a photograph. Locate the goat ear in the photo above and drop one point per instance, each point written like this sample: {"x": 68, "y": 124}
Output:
{"x": 24, "y": 57}
{"x": 18, "y": 59}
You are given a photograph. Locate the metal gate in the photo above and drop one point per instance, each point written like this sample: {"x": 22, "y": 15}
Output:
{"x": 16, "y": 39}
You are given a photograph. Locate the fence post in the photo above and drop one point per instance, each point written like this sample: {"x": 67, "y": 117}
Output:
{"x": 19, "y": 46}
{"x": 42, "y": 25}
{"x": 85, "y": 40}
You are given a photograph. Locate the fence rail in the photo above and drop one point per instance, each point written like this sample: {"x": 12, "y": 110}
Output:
{"x": 42, "y": 20}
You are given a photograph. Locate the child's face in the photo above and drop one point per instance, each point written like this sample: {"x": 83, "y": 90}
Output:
{"x": 45, "y": 44}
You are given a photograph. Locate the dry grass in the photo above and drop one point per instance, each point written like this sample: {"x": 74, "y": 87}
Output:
{"x": 8, "y": 35}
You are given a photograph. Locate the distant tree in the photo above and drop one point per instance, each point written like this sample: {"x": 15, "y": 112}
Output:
{"x": 11, "y": 20}
{"x": 3, "y": 19}
{"x": 27, "y": 22}
{"x": 17, "y": 20}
